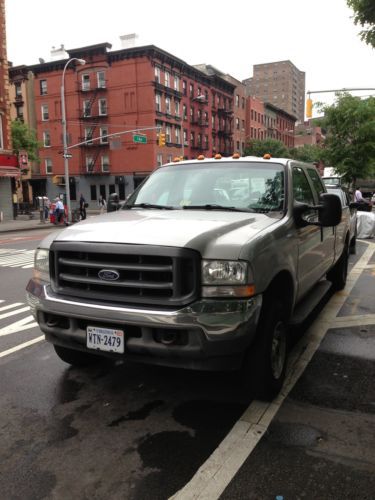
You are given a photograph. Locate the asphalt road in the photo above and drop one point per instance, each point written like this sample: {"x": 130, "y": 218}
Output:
{"x": 128, "y": 431}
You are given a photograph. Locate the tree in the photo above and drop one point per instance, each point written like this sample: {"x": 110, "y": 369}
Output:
{"x": 257, "y": 147}
{"x": 350, "y": 136}
{"x": 24, "y": 139}
{"x": 364, "y": 14}
{"x": 309, "y": 153}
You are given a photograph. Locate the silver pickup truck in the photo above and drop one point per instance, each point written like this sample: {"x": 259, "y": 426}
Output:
{"x": 205, "y": 266}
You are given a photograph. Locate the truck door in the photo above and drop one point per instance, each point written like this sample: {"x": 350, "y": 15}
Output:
{"x": 328, "y": 233}
{"x": 310, "y": 248}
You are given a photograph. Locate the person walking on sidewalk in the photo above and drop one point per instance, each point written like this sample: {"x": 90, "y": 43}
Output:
{"x": 59, "y": 211}
{"x": 82, "y": 207}
{"x": 102, "y": 204}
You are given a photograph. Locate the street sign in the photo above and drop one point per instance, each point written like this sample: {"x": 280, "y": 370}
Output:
{"x": 68, "y": 155}
{"x": 142, "y": 139}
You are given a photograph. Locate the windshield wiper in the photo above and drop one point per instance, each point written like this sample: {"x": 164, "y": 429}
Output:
{"x": 148, "y": 205}
{"x": 214, "y": 206}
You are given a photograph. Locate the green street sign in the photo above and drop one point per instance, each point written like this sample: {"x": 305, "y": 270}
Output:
{"x": 142, "y": 139}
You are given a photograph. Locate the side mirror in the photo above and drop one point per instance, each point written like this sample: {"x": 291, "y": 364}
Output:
{"x": 298, "y": 210}
{"x": 113, "y": 202}
{"x": 330, "y": 210}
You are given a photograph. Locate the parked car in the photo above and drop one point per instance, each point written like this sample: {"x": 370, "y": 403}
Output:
{"x": 176, "y": 279}
{"x": 349, "y": 211}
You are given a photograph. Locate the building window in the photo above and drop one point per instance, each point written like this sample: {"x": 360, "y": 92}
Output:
{"x": 112, "y": 188}
{"x": 177, "y": 108}
{"x": 19, "y": 111}
{"x": 93, "y": 192}
{"x": 46, "y": 139}
{"x": 86, "y": 108}
{"x": 48, "y": 165}
{"x": 1, "y": 132}
{"x": 184, "y": 87}
{"x": 206, "y": 142}
{"x": 168, "y": 105}
{"x": 192, "y": 139}
{"x": 237, "y": 123}
{"x": 206, "y": 95}
{"x": 191, "y": 90}
{"x": 103, "y": 131}
{"x": 103, "y": 111}
{"x": 89, "y": 164}
{"x": 158, "y": 102}
{"x": 85, "y": 82}
{"x": 199, "y": 91}
{"x": 105, "y": 163}
{"x": 237, "y": 101}
{"x": 169, "y": 158}
{"x": 184, "y": 112}
{"x": 168, "y": 134}
{"x": 88, "y": 135}
{"x": 167, "y": 79}
{"x": 157, "y": 74}
{"x": 43, "y": 87}
{"x": 18, "y": 89}
{"x": 100, "y": 78}
{"x": 243, "y": 124}
{"x": 243, "y": 103}
{"x": 191, "y": 114}
{"x": 177, "y": 83}
{"x": 177, "y": 132}
{"x": 199, "y": 140}
{"x": 238, "y": 146}
{"x": 186, "y": 142}
{"x": 252, "y": 114}
{"x": 45, "y": 114}
{"x": 159, "y": 160}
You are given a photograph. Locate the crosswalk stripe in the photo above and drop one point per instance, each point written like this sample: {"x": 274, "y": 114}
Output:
{"x": 10, "y": 306}
{"x": 16, "y": 257}
{"x": 21, "y": 346}
{"x": 19, "y": 326}
{"x": 12, "y": 313}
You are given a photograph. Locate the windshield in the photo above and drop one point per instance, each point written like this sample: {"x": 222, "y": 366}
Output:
{"x": 251, "y": 186}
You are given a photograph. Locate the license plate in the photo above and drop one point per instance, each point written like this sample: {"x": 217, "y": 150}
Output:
{"x": 105, "y": 339}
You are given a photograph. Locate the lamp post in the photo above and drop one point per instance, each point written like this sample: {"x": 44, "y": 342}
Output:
{"x": 65, "y": 139}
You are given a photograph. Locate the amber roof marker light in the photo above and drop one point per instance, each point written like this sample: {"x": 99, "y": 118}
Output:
{"x": 235, "y": 156}
{"x": 217, "y": 156}
{"x": 267, "y": 156}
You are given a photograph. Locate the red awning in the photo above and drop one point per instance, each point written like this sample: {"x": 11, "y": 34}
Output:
{"x": 9, "y": 171}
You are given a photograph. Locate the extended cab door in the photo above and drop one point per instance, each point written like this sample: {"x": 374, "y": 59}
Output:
{"x": 312, "y": 247}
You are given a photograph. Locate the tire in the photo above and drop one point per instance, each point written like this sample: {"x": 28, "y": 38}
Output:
{"x": 353, "y": 243}
{"x": 76, "y": 358}
{"x": 338, "y": 274}
{"x": 264, "y": 368}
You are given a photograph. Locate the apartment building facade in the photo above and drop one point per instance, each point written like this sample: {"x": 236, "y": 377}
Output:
{"x": 116, "y": 105}
{"x": 9, "y": 171}
{"x": 280, "y": 83}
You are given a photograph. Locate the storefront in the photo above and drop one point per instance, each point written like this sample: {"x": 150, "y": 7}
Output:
{"x": 9, "y": 176}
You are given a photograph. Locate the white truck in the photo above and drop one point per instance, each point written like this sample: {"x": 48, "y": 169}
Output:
{"x": 205, "y": 266}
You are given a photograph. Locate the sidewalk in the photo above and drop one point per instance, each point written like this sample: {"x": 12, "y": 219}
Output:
{"x": 24, "y": 223}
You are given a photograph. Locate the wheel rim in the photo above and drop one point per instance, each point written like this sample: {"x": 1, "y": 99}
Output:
{"x": 278, "y": 350}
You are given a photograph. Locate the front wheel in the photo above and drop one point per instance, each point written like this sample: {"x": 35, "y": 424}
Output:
{"x": 338, "y": 274}
{"x": 76, "y": 358}
{"x": 266, "y": 360}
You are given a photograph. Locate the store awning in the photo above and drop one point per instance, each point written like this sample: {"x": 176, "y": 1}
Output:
{"x": 9, "y": 172}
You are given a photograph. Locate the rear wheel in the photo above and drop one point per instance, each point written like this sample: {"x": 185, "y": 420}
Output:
{"x": 265, "y": 363}
{"x": 76, "y": 358}
{"x": 338, "y": 274}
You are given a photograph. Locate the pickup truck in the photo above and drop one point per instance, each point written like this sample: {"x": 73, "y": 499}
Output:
{"x": 205, "y": 266}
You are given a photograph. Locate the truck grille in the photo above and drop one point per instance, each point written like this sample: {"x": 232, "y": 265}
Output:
{"x": 130, "y": 274}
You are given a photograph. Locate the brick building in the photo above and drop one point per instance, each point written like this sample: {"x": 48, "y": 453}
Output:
{"x": 138, "y": 89}
{"x": 281, "y": 84}
{"x": 9, "y": 171}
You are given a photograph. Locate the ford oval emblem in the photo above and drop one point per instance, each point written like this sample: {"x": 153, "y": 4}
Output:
{"x": 108, "y": 275}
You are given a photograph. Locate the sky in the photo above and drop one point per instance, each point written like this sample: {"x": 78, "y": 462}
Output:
{"x": 318, "y": 36}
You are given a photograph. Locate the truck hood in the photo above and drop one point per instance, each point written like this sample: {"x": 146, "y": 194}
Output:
{"x": 215, "y": 234}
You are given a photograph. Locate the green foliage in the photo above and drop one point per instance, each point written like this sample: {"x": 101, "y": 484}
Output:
{"x": 309, "y": 153}
{"x": 364, "y": 15}
{"x": 257, "y": 147}
{"x": 350, "y": 140}
{"x": 24, "y": 139}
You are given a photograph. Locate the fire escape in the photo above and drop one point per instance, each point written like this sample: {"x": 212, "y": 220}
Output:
{"x": 93, "y": 120}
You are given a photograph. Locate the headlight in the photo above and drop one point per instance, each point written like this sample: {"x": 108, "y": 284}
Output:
{"x": 226, "y": 278}
{"x": 41, "y": 264}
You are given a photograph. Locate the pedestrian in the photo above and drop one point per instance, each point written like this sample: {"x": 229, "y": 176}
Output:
{"x": 47, "y": 205}
{"x": 102, "y": 204}
{"x": 358, "y": 196}
{"x": 59, "y": 211}
{"x": 82, "y": 207}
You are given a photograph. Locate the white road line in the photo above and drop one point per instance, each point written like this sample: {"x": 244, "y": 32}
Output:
{"x": 21, "y": 346}
{"x": 214, "y": 475}
{"x": 12, "y": 313}
{"x": 5, "y": 308}
{"x": 19, "y": 326}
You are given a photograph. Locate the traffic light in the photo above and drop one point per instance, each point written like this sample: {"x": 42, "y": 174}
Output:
{"x": 161, "y": 139}
{"x": 309, "y": 106}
